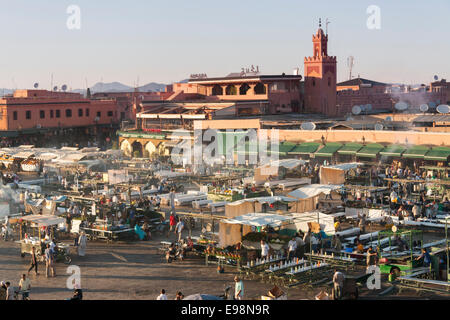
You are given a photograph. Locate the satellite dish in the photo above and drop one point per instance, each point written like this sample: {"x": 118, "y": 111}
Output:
{"x": 443, "y": 108}
{"x": 36, "y": 85}
{"x": 388, "y": 118}
{"x": 356, "y": 110}
{"x": 308, "y": 126}
{"x": 423, "y": 107}
{"x": 436, "y": 78}
{"x": 55, "y": 88}
{"x": 432, "y": 104}
{"x": 368, "y": 107}
{"x": 379, "y": 127}
{"x": 64, "y": 87}
{"x": 349, "y": 119}
{"x": 401, "y": 106}
{"x": 38, "y": 126}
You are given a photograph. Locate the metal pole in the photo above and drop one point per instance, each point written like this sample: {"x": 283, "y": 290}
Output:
{"x": 446, "y": 240}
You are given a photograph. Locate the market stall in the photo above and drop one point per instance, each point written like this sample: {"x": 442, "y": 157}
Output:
{"x": 38, "y": 239}
{"x": 336, "y": 174}
{"x": 307, "y": 197}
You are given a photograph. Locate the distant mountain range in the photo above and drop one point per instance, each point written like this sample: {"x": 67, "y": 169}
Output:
{"x": 107, "y": 87}
{"x": 120, "y": 87}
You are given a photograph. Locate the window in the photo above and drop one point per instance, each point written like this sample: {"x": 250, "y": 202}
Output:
{"x": 122, "y": 115}
{"x": 99, "y": 114}
{"x": 110, "y": 113}
{"x": 15, "y": 115}
{"x": 58, "y": 113}
{"x": 243, "y": 89}
{"x": 80, "y": 112}
{"x": 68, "y": 113}
{"x": 230, "y": 90}
{"x": 51, "y": 113}
{"x": 87, "y": 112}
{"x": 42, "y": 114}
{"x": 28, "y": 114}
{"x": 217, "y": 90}
{"x": 260, "y": 88}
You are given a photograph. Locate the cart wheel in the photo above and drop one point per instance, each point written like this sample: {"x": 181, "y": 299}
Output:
{"x": 67, "y": 259}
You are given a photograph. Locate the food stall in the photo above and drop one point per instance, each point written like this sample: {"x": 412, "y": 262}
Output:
{"x": 37, "y": 238}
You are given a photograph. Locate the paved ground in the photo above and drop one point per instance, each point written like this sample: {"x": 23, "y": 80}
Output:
{"x": 136, "y": 271}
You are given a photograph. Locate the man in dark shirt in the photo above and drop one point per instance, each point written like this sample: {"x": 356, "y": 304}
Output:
{"x": 34, "y": 262}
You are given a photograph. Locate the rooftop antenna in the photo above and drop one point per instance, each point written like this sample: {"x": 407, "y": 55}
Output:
{"x": 320, "y": 22}
{"x": 327, "y": 22}
{"x": 350, "y": 64}
{"x": 51, "y": 81}
{"x": 36, "y": 85}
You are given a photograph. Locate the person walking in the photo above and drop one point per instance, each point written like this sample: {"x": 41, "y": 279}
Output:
{"x": 338, "y": 282}
{"x": 172, "y": 223}
{"x": 238, "y": 289}
{"x": 9, "y": 291}
{"x": 34, "y": 262}
{"x": 82, "y": 241}
{"x": 49, "y": 261}
{"x": 179, "y": 229}
{"x": 25, "y": 287}
{"x": 264, "y": 250}
{"x": 292, "y": 247}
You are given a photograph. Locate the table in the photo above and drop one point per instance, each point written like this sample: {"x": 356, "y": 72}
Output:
{"x": 109, "y": 235}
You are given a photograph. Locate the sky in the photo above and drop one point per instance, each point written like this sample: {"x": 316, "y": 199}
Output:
{"x": 142, "y": 41}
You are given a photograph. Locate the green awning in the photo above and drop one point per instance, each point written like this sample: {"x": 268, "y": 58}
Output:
{"x": 438, "y": 154}
{"x": 393, "y": 151}
{"x": 305, "y": 148}
{"x": 370, "y": 150}
{"x": 9, "y": 134}
{"x": 328, "y": 150}
{"x": 350, "y": 148}
{"x": 232, "y": 138}
{"x": 416, "y": 152}
{"x": 286, "y": 146}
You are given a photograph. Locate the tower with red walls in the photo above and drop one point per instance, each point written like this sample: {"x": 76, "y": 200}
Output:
{"x": 320, "y": 78}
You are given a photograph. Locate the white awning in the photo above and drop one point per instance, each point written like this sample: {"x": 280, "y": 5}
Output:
{"x": 193, "y": 116}
{"x": 44, "y": 221}
{"x": 345, "y": 166}
{"x": 24, "y": 154}
{"x": 258, "y": 219}
{"x": 169, "y": 116}
{"x": 312, "y": 191}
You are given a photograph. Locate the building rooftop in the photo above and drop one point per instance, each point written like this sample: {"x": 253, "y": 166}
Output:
{"x": 361, "y": 81}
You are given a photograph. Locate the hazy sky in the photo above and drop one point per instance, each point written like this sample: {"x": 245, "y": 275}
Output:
{"x": 165, "y": 41}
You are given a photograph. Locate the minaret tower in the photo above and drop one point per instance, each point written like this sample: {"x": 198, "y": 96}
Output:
{"x": 320, "y": 77}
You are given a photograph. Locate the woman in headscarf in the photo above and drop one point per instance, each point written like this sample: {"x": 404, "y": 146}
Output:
{"x": 82, "y": 241}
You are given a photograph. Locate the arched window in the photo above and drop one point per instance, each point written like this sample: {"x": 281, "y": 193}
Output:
{"x": 217, "y": 90}
{"x": 260, "y": 89}
{"x": 230, "y": 90}
{"x": 243, "y": 89}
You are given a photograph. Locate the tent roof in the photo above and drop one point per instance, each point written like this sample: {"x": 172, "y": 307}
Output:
{"x": 394, "y": 150}
{"x": 305, "y": 148}
{"x": 44, "y": 221}
{"x": 350, "y": 148}
{"x": 345, "y": 166}
{"x": 371, "y": 150}
{"x": 417, "y": 152}
{"x": 329, "y": 149}
{"x": 268, "y": 200}
{"x": 438, "y": 153}
{"x": 258, "y": 219}
{"x": 312, "y": 191}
